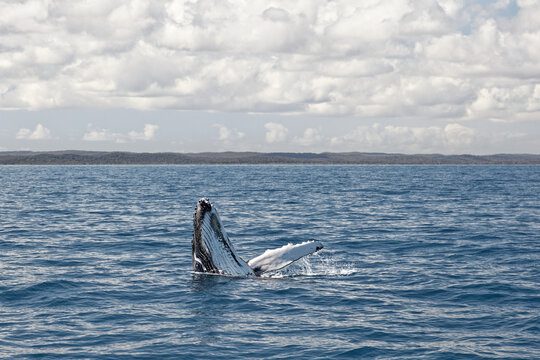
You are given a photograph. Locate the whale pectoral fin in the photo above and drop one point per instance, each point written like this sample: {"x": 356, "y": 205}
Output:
{"x": 276, "y": 259}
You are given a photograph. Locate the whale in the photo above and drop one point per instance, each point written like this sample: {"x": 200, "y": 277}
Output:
{"x": 214, "y": 253}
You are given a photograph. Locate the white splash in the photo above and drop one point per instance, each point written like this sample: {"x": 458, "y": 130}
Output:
{"x": 319, "y": 264}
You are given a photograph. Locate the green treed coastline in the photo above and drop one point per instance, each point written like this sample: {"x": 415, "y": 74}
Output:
{"x": 76, "y": 157}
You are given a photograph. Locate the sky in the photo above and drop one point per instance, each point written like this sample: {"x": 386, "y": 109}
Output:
{"x": 444, "y": 76}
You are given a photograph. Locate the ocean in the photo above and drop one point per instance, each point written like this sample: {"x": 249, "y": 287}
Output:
{"x": 420, "y": 262}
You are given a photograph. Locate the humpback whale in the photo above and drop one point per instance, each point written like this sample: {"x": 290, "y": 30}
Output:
{"x": 213, "y": 252}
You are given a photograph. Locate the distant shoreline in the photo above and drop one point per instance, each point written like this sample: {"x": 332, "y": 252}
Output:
{"x": 77, "y": 157}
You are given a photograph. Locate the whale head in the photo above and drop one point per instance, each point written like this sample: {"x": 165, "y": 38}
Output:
{"x": 212, "y": 251}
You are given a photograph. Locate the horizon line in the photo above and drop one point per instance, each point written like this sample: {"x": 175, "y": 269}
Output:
{"x": 4, "y": 151}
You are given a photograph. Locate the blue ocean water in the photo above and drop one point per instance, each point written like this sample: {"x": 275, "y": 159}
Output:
{"x": 420, "y": 262}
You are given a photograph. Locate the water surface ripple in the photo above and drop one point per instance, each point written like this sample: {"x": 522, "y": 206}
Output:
{"x": 423, "y": 262}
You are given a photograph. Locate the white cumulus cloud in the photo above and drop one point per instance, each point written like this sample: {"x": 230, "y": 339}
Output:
{"x": 148, "y": 133}
{"x": 39, "y": 133}
{"x": 101, "y": 135}
{"x": 228, "y": 136}
{"x": 311, "y": 136}
{"x": 452, "y": 59}
{"x": 275, "y": 132}
{"x": 457, "y": 136}
{"x": 390, "y": 138}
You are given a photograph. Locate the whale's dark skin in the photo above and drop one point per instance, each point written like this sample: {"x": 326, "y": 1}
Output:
{"x": 202, "y": 258}
{"x": 206, "y": 222}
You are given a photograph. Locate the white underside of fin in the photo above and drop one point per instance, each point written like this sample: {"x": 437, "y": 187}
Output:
{"x": 276, "y": 259}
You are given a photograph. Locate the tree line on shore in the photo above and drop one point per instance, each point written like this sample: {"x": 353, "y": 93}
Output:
{"x": 131, "y": 158}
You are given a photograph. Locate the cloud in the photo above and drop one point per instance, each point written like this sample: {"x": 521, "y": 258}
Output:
{"x": 102, "y": 135}
{"x": 457, "y": 135}
{"x": 147, "y": 134}
{"x": 276, "y": 14}
{"x": 505, "y": 104}
{"x": 228, "y": 136}
{"x": 311, "y": 136}
{"x": 40, "y": 133}
{"x": 275, "y": 132}
{"x": 451, "y": 138}
{"x": 373, "y": 59}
